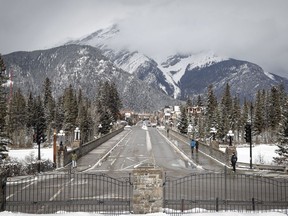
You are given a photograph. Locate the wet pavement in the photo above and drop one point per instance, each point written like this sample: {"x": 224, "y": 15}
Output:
{"x": 199, "y": 159}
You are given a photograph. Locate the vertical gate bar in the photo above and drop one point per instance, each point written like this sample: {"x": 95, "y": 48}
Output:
{"x": 4, "y": 192}
{"x": 164, "y": 191}
{"x": 225, "y": 188}
{"x": 217, "y": 204}
{"x": 253, "y": 204}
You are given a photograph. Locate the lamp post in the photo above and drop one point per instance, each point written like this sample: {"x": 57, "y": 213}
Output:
{"x": 77, "y": 134}
{"x": 62, "y": 135}
{"x": 190, "y": 127}
{"x": 213, "y": 131}
{"x": 230, "y": 135}
{"x": 99, "y": 129}
{"x": 111, "y": 126}
{"x": 54, "y": 146}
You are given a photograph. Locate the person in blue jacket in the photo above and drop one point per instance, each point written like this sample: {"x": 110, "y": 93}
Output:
{"x": 192, "y": 144}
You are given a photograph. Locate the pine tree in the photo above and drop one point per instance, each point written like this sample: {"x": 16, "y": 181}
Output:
{"x": 211, "y": 108}
{"x": 3, "y": 111}
{"x": 226, "y": 112}
{"x": 70, "y": 109}
{"x": 30, "y": 111}
{"x": 59, "y": 114}
{"x": 183, "y": 124}
{"x": 85, "y": 122}
{"x": 199, "y": 101}
{"x": 114, "y": 102}
{"x": 282, "y": 150}
{"x": 49, "y": 107}
{"x": 39, "y": 123}
{"x": 236, "y": 118}
{"x": 258, "y": 123}
{"x": 3, "y": 100}
{"x": 17, "y": 117}
{"x": 108, "y": 105}
{"x": 274, "y": 109}
{"x": 49, "y": 102}
{"x": 103, "y": 110}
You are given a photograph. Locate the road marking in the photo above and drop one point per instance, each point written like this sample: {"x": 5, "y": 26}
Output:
{"x": 100, "y": 161}
{"x": 148, "y": 142}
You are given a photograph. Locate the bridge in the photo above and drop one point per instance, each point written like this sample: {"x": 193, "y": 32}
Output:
{"x": 109, "y": 169}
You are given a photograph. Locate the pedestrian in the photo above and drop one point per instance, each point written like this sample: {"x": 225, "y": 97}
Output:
{"x": 233, "y": 161}
{"x": 74, "y": 159}
{"x": 192, "y": 144}
{"x": 197, "y": 145}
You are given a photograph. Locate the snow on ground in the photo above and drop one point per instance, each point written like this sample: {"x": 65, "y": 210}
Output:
{"x": 21, "y": 154}
{"x": 261, "y": 154}
{"x": 154, "y": 214}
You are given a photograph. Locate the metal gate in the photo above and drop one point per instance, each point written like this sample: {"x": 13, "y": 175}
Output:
{"x": 68, "y": 193}
{"x": 224, "y": 191}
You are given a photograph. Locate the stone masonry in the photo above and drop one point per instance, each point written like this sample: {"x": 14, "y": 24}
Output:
{"x": 148, "y": 189}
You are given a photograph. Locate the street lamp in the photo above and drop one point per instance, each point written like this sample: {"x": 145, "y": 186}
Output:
{"x": 99, "y": 129}
{"x": 213, "y": 131}
{"x": 77, "y": 134}
{"x": 54, "y": 146}
{"x": 230, "y": 135}
{"x": 62, "y": 135}
{"x": 190, "y": 127}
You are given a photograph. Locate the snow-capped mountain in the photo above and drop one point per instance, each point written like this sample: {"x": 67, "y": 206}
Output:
{"x": 83, "y": 67}
{"x": 133, "y": 62}
{"x": 186, "y": 75}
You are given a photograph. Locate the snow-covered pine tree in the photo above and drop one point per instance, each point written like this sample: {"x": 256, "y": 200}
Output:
{"x": 226, "y": 112}
{"x": 183, "y": 124}
{"x": 282, "y": 150}
{"x": 236, "y": 118}
{"x": 4, "y": 141}
{"x": 258, "y": 122}
{"x": 211, "y": 109}
{"x": 17, "y": 118}
{"x": 39, "y": 123}
{"x": 49, "y": 107}
{"x": 70, "y": 109}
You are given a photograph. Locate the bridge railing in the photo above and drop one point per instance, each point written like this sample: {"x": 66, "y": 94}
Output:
{"x": 222, "y": 157}
{"x": 87, "y": 147}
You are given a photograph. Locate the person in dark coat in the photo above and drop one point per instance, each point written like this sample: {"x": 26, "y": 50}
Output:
{"x": 197, "y": 145}
{"x": 233, "y": 161}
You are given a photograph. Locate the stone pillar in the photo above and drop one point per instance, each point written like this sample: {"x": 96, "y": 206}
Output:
{"x": 148, "y": 189}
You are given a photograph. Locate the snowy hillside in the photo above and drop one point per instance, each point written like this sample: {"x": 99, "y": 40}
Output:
{"x": 182, "y": 75}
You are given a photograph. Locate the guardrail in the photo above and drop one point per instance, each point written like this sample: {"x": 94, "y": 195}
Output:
{"x": 222, "y": 156}
{"x": 87, "y": 147}
{"x": 264, "y": 167}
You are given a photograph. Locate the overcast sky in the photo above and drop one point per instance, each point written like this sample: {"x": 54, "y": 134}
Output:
{"x": 252, "y": 30}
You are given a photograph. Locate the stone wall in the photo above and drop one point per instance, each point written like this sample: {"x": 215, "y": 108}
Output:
{"x": 148, "y": 189}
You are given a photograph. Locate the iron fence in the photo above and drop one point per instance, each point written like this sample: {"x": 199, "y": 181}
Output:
{"x": 44, "y": 194}
{"x": 99, "y": 193}
{"x": 224, "y": 192}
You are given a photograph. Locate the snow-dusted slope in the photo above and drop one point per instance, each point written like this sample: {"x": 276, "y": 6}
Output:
{"x": 180, "y": 76}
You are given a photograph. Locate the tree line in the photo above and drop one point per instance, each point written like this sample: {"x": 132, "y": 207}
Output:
{"x": 27, "y": 118}
{"x": 268, "y": 115}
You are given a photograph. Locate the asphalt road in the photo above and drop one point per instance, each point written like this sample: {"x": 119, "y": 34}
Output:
{"x": 145, "y": 146}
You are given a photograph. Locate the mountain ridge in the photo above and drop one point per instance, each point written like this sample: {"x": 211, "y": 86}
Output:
{"x": 83, "y": 67}
{"x": 170, "y": 75}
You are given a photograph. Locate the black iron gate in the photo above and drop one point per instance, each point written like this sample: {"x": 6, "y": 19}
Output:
{"x": 225, "y": 191}
{"x": 68, "y": 193}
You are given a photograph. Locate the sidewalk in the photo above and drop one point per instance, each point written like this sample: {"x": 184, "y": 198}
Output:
{"x": 94, "y": 157}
